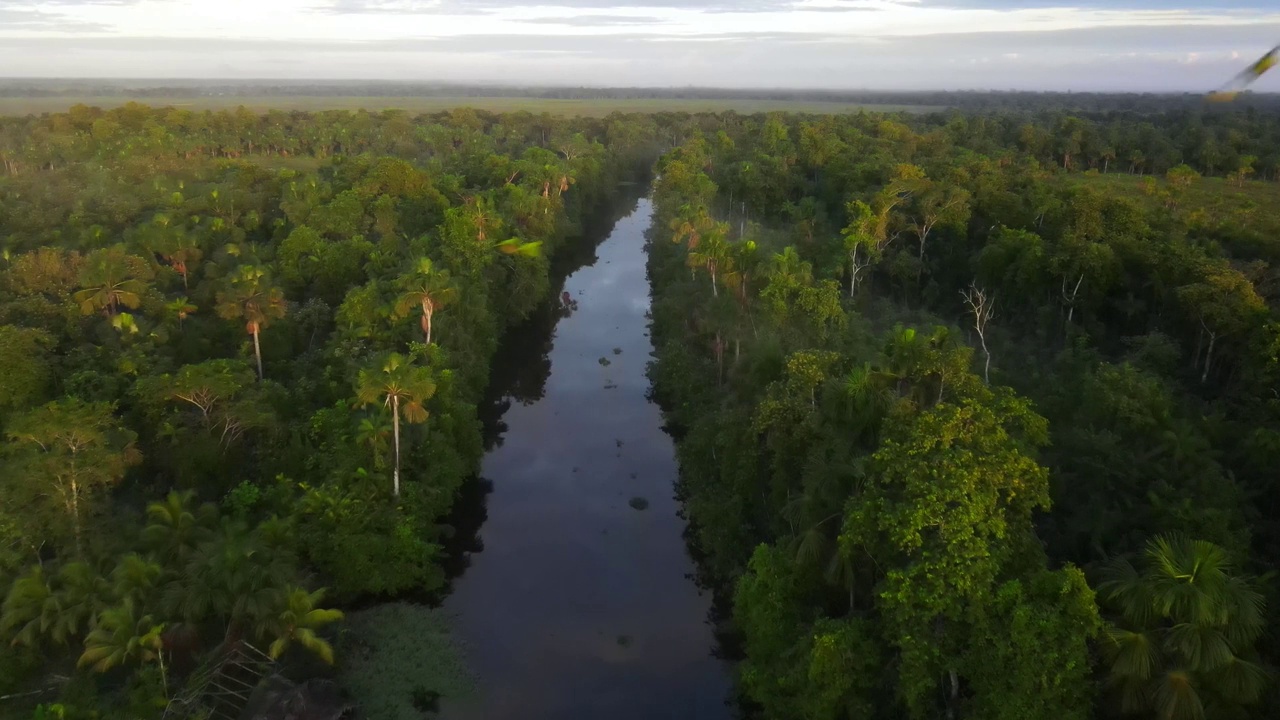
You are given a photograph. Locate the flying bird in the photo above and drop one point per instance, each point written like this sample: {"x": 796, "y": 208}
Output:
{"x": 1242, "y": 81}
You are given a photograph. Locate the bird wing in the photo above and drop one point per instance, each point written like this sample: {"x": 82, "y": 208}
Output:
{"x": 1246, "y": 77}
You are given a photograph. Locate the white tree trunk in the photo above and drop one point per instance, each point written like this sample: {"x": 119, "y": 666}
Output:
{"x": 395, "y": 413}
{"x": 257, "y": 351}
{"x": 427, "y": 313}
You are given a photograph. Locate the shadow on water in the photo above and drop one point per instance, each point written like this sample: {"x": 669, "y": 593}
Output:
{"x": 583, "y": 603}
{"x": 519, "y": 372}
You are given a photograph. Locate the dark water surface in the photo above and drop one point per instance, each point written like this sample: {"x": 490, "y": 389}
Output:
{"x": 579, "y": 606}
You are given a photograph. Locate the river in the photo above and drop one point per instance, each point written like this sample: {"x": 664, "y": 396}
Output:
{"x": 579, "y": 602}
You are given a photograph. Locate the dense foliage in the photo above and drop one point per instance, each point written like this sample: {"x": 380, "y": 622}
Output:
{"x": 977, "y": 413}
{"x": 242, "y": 361}
{"x": 977, "y": 410}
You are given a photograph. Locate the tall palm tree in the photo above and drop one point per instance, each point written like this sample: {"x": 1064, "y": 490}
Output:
{"x": 404, "y": 388}
{"x": 182, "y": 252}
{"x": 251, "y": 297}
{"x": 298, "y": 621}
{"x": 714, "y": 254}
{"x": 110, "y": 278}
{"x": 180, "y": 309}
{"x": 686, "y": 228}
{"x": 482, "y": 217}
{"x": 1181, "y": 639}
{"x": 746, "y": 261}
{"x": 426, "y": 288}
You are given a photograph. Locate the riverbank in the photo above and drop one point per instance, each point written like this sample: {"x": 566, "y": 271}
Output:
{"x": 579, "y": 602}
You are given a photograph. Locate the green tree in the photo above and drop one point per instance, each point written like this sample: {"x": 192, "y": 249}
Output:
{"x": 947, "y": 506}
{"x": 122, "y": 636}
{"x": 404, "y": 388}
{"x": 58, "y": 609}
{"x": 24, "y": 357}
{"x": 298, "y": 621}
{"x": 428, "y": 289}
{"x": 175, "y": 529}
{"x": 67, "y": 453}
{"x": 787, "y": 275}
{"x": 1029, "y": 657}
{"x": 216, "y": 396}
{"x": 237, "y": 577}
{"x": 250, "y": 296}
{"x": 714, "y": 254}
{"x": 1180, "y": 643}
{"x": 111, "y": 278}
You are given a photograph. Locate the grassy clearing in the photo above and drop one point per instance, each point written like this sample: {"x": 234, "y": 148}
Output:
{"x": 587, "y": 108}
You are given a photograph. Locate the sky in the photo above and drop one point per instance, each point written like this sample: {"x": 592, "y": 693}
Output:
{"x": 1081, "y": 45}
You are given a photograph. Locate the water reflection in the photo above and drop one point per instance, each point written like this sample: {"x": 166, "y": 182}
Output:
{"x": 578, "y": 604}
{"x": 519, "y": 373}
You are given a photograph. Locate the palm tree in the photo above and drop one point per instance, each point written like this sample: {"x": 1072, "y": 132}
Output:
{"x": 429, "y": 289}
{"x": 714, "y": 254}
{"x": 174, "y": 530}
{"x": 789, "y": 269}
{"x": 109, "y": 280}
{"x": 37, "y": 608}
{"x": 402, "y": 387}
{"x": 136, "y": 578}
{"x": 30, "y": 610}
{"x": 1182, "y": 636}
{"x": 180, "y": 308}
{"x": 374, "y": 433}
{"x": 746, "y": 259}
{"x": 236, "y": 576}
{"x": 688, "y": 227}
{"x": 251, "y": 297}
{"x": 125, "y": 323}
{"x": 182, "y": 252}
{"x": 122, "y": 636}
{"x": 81, "y": 594}
{"x": 298, "y": 621}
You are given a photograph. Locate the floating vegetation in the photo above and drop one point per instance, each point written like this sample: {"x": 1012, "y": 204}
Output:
{"x": 624, "y": 640}
{"x": 617, "y": 351}
{"x": 604, "y": 361}
{"x": 639, "y": 503}
{"x": 399, "y": 661}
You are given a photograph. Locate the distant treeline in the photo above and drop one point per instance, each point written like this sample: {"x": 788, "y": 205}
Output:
{"x": 968, "y": 99}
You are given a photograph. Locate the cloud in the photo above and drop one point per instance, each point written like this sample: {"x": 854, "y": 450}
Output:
{"x": 443, "y": 7}
{"x": 926, "y": 44}
{"x": 402, "y": 7}
{"x": 18, "y": 18}
{"x": 597, "y": 20}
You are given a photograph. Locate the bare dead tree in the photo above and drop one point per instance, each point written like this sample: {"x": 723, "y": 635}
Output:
{"x": 1069, "y": 298}
{"x": 983, "y": 307}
